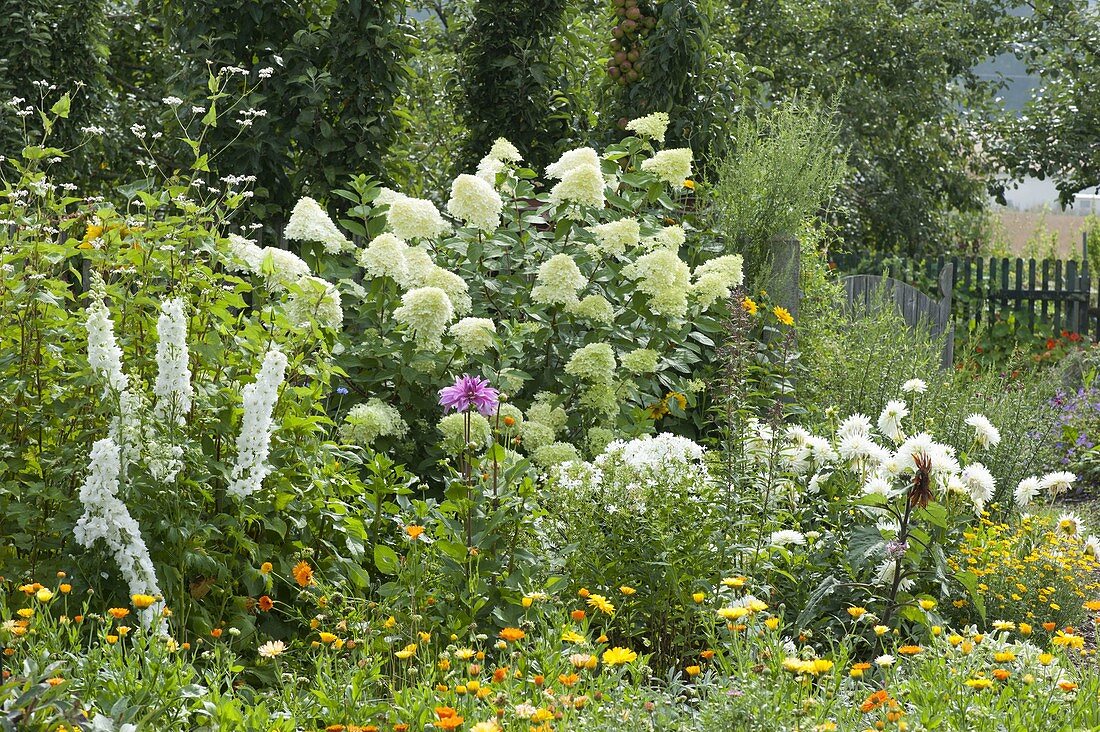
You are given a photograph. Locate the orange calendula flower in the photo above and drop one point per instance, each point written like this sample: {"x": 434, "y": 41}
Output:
{"x": 783, "y": 315}
{"x": 512, "y": 634}
{"x": 265, "y": 603}
{"x": 874, "y": 701}
{"x": 577, "y": 615}
{"x": 303, "y": 574}
{"x": 266, "y": 568}
{"x": 118, "y": 613}
{"x": 909, "y": 650}
{"x": 414, "y": 530}
{"x": 65, "y": 588}
{"x": 216, "y": 633}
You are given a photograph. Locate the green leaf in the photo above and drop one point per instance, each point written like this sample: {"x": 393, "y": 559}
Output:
{"x": 809, "y": 610}
{"x": 61, "y": 106}
{"x": 210, "y": 119}
{"x": 385, "y": 559}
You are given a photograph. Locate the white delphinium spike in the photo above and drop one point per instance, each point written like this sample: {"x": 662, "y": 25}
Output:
{"x": 254, "y": 440}
{"x": 173, "y": 388}
{"x": 106, "y": 517}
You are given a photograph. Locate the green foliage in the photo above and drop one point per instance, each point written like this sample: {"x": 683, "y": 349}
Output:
{"x": 509, "y": 84}
{"x": 900, "y": 77}
{"x": 784, "y": 167}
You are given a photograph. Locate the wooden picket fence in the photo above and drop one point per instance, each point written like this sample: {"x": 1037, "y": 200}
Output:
{"x": 1046, "y": 296}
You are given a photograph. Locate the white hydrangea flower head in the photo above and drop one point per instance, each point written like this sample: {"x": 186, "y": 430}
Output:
{"x": 489, "y": 168}
{"x": 716, "y": 278}
{"x": 366, "y": 422}
{"x": 456, "y": 288}
{"x": 415, "y": 218}
{"x": 453, "y": 427}
{"x": 172, "y": 388}
{"x": 652, "y": 126}
{"x": 671, "y": 166}
{"x": 257, "y": 425}
{"x": 985, "y": 434}
{"x": 244, "y": 255}
{"x": 476, "y": 202}
{"x": 593, "y": 363}
{"x": 556, "y": 453}
{"x": 583, "y": 185}
{"x": 580, "y": 157}
{"x": 385, "y": 256}
{"x": 594, "y": 308}
{"x": 663, "y": 276}
{"x": 558, "y": 280}
{"x": 640, "y": 361}
{"x": 668, "y": 237}
{"x": 504, "y": 151}
{"x": 474, "y": 335}
{"x": 309, "y": 222}
{"x": 317, "y": 300}
{"x": 425, "y": 312}
{"x": 615, "y": 237}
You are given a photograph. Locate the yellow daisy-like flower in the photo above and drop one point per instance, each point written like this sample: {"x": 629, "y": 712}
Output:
{"x": 601, "y": 603}
{"x": 407, "y": 652}
{"x": 572, "y": 636}
{"x": 618, "y": 656}
{"x": 627, "y": 590}
{"x": 732, "y": 613}
{"x": 141, "y": 602}
{"x": 749, "y": 305}
{"x": 783, "y": 315}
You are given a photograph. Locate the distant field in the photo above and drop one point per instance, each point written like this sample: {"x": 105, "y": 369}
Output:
{"x": 1018, "y": 227}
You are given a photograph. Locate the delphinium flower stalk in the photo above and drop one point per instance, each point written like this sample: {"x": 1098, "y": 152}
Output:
{"x": 254, "y": 440}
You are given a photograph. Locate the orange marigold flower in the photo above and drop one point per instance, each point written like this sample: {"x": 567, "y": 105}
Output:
{"x": 512, "y": 634}
{"x": 266, "y": 603}
{"x": 303, "y": 574}
{"x": 909, "y": 650}
{"x": 266, "y": 568}
{"x": 216, "y": 632}
{"x": 874, "y": 701}
{"x": 577, "y": 615}
{"x": 1001, "y": 674}
{"x": 414, "y": 530}
{"x": 1048, "y": 626}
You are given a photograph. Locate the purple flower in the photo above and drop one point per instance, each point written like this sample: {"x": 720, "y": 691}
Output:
{"x": 469, "y": 391}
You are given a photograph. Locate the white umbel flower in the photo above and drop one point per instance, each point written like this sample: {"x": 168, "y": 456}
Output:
{"x": 254, "y": 439}
{"x": 106, "y": 518}
{"x": 172, "y": 388}
{"x": 309, "y": 222}
{"x": 985, "y": 434}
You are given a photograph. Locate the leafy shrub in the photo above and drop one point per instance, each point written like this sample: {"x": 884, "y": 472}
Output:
{"x": 574, "y": 301}
{"x": 643, "y": 514}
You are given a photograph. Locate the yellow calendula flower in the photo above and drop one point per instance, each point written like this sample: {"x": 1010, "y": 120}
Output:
{"x": 857, "y": 612}
{"x": 733, "y": 613}
{"x": 571, "y": 636}
{"x": 627, "y": 590}
{"x": 407, "y": 652}
{"x": 44, "y": 595}
{"x": 601, "y": 603}
{"x": 772, "y": 623}
{"x": 618, "y": 656}
{"x": 141, "y": 602}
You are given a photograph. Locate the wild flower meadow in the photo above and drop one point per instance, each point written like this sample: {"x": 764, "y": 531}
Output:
{"x": 534, "y": 454}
